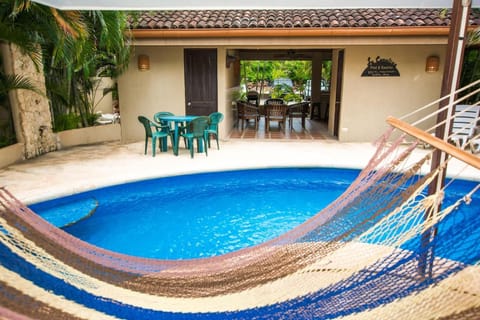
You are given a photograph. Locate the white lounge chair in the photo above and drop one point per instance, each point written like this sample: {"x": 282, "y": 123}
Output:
{"x": 464, "y": 123}
{"x": 107, "y": 118}
{"x": 475, "y": 144}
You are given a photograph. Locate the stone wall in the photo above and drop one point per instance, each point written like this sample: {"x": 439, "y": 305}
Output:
{"x": 31, "y": 111}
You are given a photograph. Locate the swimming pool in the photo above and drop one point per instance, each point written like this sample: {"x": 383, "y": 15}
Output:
{"x": 200, "y": 215}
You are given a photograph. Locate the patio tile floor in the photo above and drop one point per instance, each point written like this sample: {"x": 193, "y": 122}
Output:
{"x": 81, "y": 168}
{"x": 314, "y": 130}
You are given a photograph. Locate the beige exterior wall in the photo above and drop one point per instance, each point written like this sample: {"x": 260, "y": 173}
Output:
{"x": 162, "y": 88}
{"x": 103, "y": 103}
{"x": 89, "y": 135}
{"x": 11, "y": 154}
{"x": 367, "y": 101}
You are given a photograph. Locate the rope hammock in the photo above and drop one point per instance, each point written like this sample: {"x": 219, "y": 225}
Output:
{"x": 385, "y": 249}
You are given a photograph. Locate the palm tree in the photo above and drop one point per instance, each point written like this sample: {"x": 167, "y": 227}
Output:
{"x": 74, "y": 46}
{"x": 105, "y": 52}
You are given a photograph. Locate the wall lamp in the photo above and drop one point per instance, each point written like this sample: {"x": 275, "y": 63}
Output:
{"x": 433, "y": 64}
{"x": 143, "y": 62}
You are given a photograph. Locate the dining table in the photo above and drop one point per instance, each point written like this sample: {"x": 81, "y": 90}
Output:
{"x": 177, "y": 121}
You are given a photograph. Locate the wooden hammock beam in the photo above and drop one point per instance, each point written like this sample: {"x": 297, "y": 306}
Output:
{"x": 444, "y": 146}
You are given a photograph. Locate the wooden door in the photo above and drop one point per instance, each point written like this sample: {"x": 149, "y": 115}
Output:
{"x": 200, "y": 81}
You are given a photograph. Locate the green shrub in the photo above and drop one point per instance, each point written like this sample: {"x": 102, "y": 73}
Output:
{"x": 66, "y": 122}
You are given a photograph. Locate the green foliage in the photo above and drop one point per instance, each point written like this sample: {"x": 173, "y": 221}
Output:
{"x": 471, "y": 65}
{"x": 103, "y": 52}
{"x": 257, "y": 74}
{"x": 471, "y": 72}
{"x": 66, "y": 121}
{"x": 7, "y": 131}
{"x": 7, "y": 139}
{"x": 239, "y": 95}
{"x": 299, "y": 71}
{"x": 286, "y": 93}
{"x": 76, "y": 47}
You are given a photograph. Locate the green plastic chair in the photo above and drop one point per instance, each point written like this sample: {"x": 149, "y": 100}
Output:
{"x": 156, "y": 117}
{"x": 181, "y": 128}
{"x": 197, "y": 131}
{"x": 161, "y": 133}
{"x": 215, "y": 119}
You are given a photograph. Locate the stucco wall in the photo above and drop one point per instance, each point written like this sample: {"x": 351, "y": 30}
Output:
{"x": 146, "y": 92}
{"x": 11, "y": 154}
{"x": 89, "y": 135}
{"x": 367, "y": 101}
{"x": 103, "y": 103}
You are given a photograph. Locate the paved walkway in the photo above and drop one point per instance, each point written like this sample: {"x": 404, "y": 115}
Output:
{"x": 81, "y": 168}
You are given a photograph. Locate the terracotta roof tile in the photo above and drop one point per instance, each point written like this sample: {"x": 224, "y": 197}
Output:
{"x": 301, "y": 18}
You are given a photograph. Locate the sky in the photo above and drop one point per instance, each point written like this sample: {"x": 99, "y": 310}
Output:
{"x": 243, "y": 4}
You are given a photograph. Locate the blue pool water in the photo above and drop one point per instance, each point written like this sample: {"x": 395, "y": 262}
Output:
{"x": 198, "y": 215}
{"x": 201, "y": 215}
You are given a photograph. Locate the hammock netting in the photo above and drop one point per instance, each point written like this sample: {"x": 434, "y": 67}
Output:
{"x": 382, "y": 250}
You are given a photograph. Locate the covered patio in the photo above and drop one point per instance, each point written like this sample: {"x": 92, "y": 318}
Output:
{"x": 314, "y": 130}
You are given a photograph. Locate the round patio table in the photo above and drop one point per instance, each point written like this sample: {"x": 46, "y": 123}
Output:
{"x": 177, "y": 120}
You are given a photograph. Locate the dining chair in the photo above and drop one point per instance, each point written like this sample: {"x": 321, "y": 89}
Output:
{"x": 158, "y": 115}
{"x": 275, "y": 113}
{"x": 253, "y": 97}
{"x": 161, "y": 133}
{"x": 271, "y": 101}
{"x": 197, "y": 131}
{"x": 298, "y": 110}
{"x": 215, "y": 119}
{"x": 247, "y": 111}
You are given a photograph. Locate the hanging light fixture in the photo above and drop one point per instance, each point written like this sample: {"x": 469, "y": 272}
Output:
{"x": 433, "y": 64}
{"x": 143, "y": 62}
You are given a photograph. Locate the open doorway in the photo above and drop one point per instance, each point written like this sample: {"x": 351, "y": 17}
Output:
{"x": 292, "y": 75}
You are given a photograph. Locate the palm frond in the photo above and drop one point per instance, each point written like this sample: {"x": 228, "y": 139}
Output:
{"x": 15, "y": 82}
{"x": 473, "y": 37}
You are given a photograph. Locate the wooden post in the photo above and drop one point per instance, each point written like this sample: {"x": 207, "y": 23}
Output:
{"x": 451, "y": 79}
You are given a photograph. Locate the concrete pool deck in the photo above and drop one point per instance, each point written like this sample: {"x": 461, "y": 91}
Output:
{"x": 82, "y": 168}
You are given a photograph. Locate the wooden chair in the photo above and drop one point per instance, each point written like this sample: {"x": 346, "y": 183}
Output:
{"x": 275, "y": 113}
{"x": 247, "y": 111}
{"x": 274, "y": 101}
{"x": 268, "y": 102}
{"x": 253, "y": 98}
{"x": 298, "y": 110}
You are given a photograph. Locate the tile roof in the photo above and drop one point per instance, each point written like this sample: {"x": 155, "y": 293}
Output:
{"x": 297, "y": 18}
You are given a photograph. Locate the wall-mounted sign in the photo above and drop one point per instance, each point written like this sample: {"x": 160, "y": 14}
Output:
{"x": 380, "y": 67}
